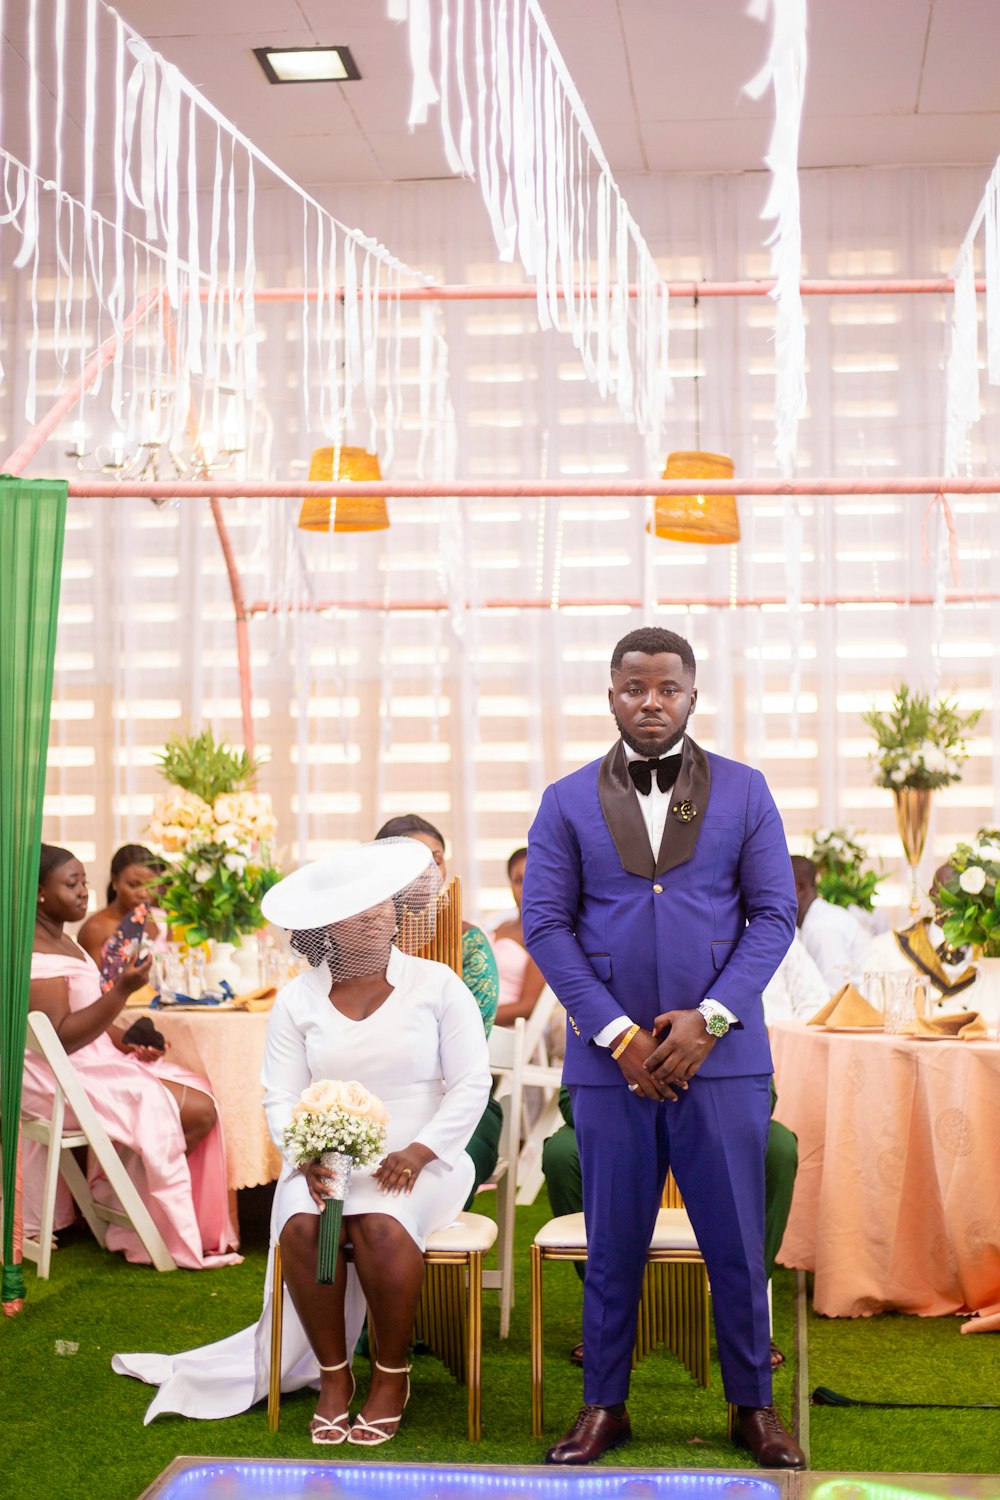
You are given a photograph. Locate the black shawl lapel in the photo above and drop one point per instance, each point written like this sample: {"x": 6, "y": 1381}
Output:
{"x": 622, "y": 815}
{"x": 688, "y": 805}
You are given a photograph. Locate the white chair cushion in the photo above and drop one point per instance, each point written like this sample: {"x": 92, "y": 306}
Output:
{"x": 468, "y": 1232}
{"x": 672, "y": 1232}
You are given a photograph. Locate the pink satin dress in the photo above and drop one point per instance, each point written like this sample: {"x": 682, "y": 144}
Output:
{"x": 187, "y": 1196}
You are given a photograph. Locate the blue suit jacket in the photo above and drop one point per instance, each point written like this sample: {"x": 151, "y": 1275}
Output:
{"x": 615, "y": 930}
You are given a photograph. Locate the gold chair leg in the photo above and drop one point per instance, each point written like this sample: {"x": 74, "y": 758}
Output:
{"x": 474, "y": 1345}
{"x": 537, "y": 1364}
{"x": 274, "y": 1383}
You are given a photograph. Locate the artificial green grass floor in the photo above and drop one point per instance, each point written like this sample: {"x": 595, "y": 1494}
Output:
{"x": 70, "y": 1428}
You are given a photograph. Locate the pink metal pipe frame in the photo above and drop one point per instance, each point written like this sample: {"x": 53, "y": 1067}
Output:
{"x": 285, "y": 489}
{"x": 527, "y": 291}
{"x": 439, "y": 606}
{"x": 22, "y": 455}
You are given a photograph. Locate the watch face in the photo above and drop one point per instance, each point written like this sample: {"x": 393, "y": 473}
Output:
{"x": 717, "y": 1025}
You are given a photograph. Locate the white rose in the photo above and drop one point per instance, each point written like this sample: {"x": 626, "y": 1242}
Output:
{"x": 202, "y": 873}
{"x": 235, "y": 862}
{"x": 989, "y": 850}
{"x": 898, "y": 774}
{"x": 972, "y": 880}
{"x": 823, "y": 835}
{"x": 933, "y": 757}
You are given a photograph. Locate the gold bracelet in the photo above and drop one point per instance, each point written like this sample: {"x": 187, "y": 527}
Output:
{"x": 616, "y": 1054}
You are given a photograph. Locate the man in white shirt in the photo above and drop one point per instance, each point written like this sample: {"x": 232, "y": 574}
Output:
{"x": 836, "y": 943}
{"x": 797, "y": 989}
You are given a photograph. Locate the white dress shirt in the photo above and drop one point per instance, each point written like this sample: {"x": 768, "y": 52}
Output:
{"x": 837, "y": 944}
{"x": 654, "y": 808}
{"x": 796, "y": 991}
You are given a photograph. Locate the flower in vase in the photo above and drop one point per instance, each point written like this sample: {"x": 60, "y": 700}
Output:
{"x": 972, "y": 880}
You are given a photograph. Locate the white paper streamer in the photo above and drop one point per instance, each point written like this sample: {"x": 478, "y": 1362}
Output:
{"x": 785, "y": 70}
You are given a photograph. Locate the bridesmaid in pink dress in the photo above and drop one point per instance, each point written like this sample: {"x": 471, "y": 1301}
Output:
{"x": 162, "y": 1118}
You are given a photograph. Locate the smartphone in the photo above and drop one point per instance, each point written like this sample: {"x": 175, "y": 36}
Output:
{"x": 125, "y": 946}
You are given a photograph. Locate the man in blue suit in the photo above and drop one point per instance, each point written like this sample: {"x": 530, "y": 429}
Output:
{"x": 658, "y": 901}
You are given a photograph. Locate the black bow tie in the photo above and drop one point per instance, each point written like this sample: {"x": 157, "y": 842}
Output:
{"x": 641, "y": 772}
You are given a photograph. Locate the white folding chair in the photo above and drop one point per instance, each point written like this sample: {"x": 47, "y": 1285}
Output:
{"x": 507, "y": 1051}
{"x": 61, "y": 1140}
{"x": 538, "y": 1074}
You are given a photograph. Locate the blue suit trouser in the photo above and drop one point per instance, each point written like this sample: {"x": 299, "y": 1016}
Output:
{"x": 714, "y": 1138}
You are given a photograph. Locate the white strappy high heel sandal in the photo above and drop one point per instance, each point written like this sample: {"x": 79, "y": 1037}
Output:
{"x": 365, "y": 1434}
{"x": 331, "y": 1431}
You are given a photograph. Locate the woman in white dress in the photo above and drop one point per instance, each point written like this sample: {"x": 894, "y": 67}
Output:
{"x": 410, "y": 1031}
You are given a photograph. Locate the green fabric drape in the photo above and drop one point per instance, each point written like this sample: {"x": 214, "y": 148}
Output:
{"x": 32, "y": 524}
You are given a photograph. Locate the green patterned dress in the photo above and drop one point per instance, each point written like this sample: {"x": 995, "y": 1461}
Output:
{"x": 479, "y": 970}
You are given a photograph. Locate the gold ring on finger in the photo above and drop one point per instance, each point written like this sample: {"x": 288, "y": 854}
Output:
{"x": 407, "y": 1171}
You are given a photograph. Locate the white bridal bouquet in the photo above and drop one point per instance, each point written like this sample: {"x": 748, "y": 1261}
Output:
{"x": 342, "y": 1126}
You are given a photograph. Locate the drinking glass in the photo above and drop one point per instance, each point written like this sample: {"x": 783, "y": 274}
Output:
{"x": 873, "y": 985}
{"x": 900, "y": 1007}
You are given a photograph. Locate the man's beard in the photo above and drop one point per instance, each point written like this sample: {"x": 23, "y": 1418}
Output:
{"x": 644, "y": 750}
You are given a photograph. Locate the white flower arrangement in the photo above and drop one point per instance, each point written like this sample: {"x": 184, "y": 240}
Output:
{"x": 920, "y": 745}
{"x": 343, "y": 1126}
{"x": 969, "y": 897}
{"x": 334, "y": 1116}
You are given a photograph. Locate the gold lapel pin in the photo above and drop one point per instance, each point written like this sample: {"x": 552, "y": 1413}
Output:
{"x": 684, "y": 811}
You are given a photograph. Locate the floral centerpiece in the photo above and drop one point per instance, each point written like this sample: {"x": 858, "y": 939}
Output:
{"x": 217, "y": 833}
{"x": 919, "y": 745}
{"x": 839, "y": 861}
{"x": 342, "y": 1126}
{"x": 971, "y": 894}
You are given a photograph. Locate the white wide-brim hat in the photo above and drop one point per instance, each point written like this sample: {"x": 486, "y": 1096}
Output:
{"x": 342, "y": 884}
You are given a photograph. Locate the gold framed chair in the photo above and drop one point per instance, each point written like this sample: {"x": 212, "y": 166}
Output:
{"x": 673, "y": 1308}
{"x": 450, "y": 1312}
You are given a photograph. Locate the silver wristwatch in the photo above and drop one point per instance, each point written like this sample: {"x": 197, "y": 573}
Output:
{"x": 715, "y": 1023}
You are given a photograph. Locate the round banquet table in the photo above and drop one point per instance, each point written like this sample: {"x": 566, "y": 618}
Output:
{"x": 227, "y": 1046}
{"x": 897, "y": 1198}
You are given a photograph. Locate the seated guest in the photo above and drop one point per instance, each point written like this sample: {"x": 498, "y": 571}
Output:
{"x": 836, "y": 942}
{"x": 521, "y": 980}
{"x": 797, "y": 989}
{"x": 135, "y": 871}
{"x": 479, "y": 973}
{"x": 163, "y": 1116}
{"x": 922, "y": 949}
{"x": 410, "y": 1031}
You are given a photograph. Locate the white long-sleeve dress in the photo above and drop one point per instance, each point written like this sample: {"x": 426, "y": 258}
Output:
{"x": 423, "y": 1052}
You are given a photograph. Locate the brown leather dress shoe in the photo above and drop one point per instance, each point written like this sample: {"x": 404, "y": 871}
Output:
{"x": 763, "y": 1432}
{"x": 593, "y": 1433}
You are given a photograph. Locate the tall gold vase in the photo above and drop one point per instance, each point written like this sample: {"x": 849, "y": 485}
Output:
{"x": 913, "y": 811}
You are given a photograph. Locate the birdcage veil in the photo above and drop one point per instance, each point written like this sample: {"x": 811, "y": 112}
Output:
{"x": 404, "y": 915}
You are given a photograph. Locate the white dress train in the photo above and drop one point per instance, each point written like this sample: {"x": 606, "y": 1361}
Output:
{"x": 423, "y": 1052}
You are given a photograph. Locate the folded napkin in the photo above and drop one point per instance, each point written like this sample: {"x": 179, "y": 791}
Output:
{"x": 965, "y": 1025}
{"x": 256, "y": 1000}
{"x": 848, "y": 1007}
{"x": 140, "y": 998}
{"x": 158, "y": 1003}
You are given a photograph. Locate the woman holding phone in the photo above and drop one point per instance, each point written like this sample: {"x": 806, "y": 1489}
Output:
{"x": 163, "y": 1115}
{"x": 135, "y": 871}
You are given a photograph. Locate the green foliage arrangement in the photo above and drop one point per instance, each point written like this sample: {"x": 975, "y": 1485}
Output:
{"x": 970, "y": 896}
{"x": 203, "y": 765}
{"x": 919, "y": 744}
{"x": 840, "y": 876}
{"x": 219, "y": 836}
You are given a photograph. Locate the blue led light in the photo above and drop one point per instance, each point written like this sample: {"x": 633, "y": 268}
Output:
{"x": 246, "y": 1479}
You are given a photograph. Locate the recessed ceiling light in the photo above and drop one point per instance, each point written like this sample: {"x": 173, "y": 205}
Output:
{"x": 307, "y": 64}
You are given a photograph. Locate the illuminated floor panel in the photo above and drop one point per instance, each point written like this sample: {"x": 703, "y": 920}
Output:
{"x": 236, "y": 1479}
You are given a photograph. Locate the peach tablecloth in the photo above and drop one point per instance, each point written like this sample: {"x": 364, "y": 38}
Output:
{"x": 228, "y": 1047}
{"x": 897, "y": 1199}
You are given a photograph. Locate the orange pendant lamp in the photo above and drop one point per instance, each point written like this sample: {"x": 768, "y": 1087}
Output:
{"x": 711, "y": 519}
{"x": 353, "y": 512}
{"x": 697, "y": 518}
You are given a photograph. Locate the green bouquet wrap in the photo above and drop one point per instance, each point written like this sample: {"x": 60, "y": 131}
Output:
{"x": 342, "y": 1126}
